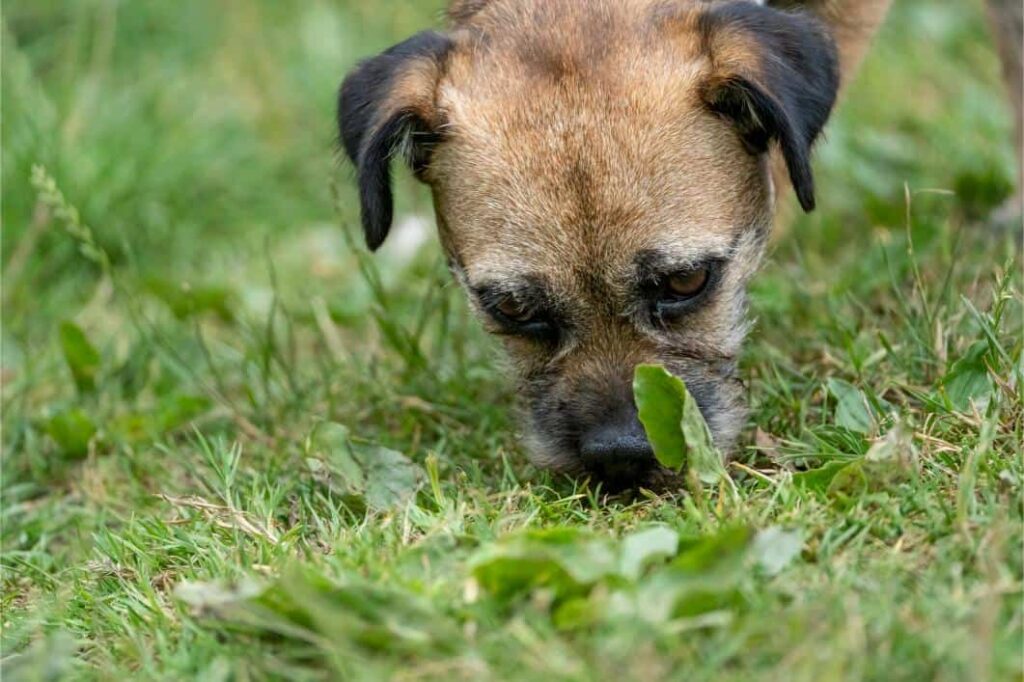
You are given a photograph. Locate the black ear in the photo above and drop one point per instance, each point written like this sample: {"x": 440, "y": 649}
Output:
{"x": 775, "y": 76}
{"x": 386, "y": 106}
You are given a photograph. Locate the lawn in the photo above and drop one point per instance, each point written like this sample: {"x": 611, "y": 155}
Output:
{"x": 237, "y": 447}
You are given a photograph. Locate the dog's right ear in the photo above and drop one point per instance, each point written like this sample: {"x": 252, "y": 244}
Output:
{"x": 386, "y": 107}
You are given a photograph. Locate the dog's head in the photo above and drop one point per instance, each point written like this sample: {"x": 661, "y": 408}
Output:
{"x": 602, "y": 185}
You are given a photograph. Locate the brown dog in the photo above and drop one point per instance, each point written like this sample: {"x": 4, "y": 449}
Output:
{"x": 603, "y": 187}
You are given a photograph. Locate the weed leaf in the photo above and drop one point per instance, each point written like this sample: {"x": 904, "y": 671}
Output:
{"x": 365, "y": 474}
{"x": 306, "y": 605}
{"x": 890, "y": 461}
{"x": 674, "y": 423}
{"x": 968, "y": 380}
{"x": 80, "y": 355}
{"x": 818, "y": 480}
{"x": 659, "y": 400}
{"x": 852, "y": 411}
{"x": 72, "y": 430}
{"x": 644, "y": 547}
{"x": 775, "y": 548}
{"x": 564, "y": 560}
{"x": 704, "y": 577}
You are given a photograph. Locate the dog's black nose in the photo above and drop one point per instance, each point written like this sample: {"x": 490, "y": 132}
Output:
{"x": 618, "y": 454}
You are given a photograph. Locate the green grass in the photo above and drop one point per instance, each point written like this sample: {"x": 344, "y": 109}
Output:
{"x": 187, "y": 324}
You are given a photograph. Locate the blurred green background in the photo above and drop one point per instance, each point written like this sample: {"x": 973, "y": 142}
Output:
{"x": 197, "y": 141}
{"x": 188, "y": 133}
{"x": 181, "y": 277}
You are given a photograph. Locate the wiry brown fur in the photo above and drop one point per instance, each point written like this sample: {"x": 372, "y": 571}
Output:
{"x": 579, "y": 142}
{"x": 574, "y": 145}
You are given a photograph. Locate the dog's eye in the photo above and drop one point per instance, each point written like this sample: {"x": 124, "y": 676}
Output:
{"x": 678, "y": 293}
{"x": 514, "y": 310}
{"x": 687, "y": 284}
{"x": 523, "y": 318}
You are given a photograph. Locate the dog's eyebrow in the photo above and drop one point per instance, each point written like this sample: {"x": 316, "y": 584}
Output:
{"x": 526, "y": 288}
{"x": 653, "y": 263}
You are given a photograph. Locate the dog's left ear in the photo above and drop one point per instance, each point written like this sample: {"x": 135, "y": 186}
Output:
{"x": 386, "y": 107}
{"x": 775, "y": 76}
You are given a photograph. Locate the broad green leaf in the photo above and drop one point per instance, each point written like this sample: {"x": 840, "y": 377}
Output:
{"x": 305, "y": 605}
{"x": 704, "y": 577}
{"x": 713, "y": 555}
{"x": 890, "y": 461}
{"x": 72, "y": 430}
{"x": 852, "y": 409}
{"x": 81, "y": 356}
{"x": 331, "y": 442}
{"x": 375, "y": 618}
{"x": 659, "y": 401}
{"x": 775, "y": 548}
{"x": 391, "y": 477}
{"x": 564, "y": 560}
{"x": 818, "y": 480}
{"x": 576, "y": 613}
{"x": 365, "y": 474}
{"x": 850, "y": 481}
{"x": 674, "y": 424}
{"x": 968, "y": 380}
{"x": 644, "y": 547}
{"x": 507, "y": 574}
{"x": 704, "y": 457}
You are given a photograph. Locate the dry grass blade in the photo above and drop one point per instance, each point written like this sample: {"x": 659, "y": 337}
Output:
{"x": 223, "y": 516}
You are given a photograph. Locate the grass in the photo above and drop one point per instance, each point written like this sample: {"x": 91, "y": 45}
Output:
{"x": 201, "y": 371}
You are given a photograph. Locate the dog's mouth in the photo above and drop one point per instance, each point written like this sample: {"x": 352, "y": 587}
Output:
{"x": 627, "y": 481}
{"x": 656, "y": 479}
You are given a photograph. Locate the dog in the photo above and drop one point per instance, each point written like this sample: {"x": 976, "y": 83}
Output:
{"x": 605, "y": 175}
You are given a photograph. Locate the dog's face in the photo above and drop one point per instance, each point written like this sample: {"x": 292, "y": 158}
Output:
{"x": 602, "y": 188}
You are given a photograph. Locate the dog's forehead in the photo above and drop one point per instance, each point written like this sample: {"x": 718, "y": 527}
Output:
{"x": 577, "y": 165}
